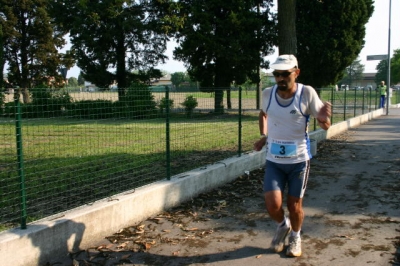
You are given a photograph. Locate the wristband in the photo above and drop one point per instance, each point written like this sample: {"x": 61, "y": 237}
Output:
{"x": 263, "y": 135}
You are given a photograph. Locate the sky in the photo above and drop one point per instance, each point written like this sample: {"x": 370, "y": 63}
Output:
{"x": 376, "y": 40}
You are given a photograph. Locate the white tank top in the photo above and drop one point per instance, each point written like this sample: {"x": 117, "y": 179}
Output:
{"x": 287, "y": 128}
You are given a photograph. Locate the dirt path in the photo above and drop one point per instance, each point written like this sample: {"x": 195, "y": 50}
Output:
{"x": 352, "y": 209}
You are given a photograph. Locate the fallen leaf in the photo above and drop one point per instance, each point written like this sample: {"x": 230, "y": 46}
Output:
{"x": 191, "y": 229}
{"x": 123, "y": 245}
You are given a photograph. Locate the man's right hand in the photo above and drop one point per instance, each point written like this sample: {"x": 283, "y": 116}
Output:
{"x": 259, "y": 144}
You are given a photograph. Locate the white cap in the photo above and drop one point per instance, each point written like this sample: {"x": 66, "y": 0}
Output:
{"x": 284, "y": 62}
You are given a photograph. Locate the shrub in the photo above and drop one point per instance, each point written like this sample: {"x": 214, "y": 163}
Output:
{"x": 2, "y": 102}
{"x": 47, "y": 102}
{"x": 138, "y": 103}
{"x": 92, "y": 109}
{"x": 165, "y": 103}
{"x": 190, "y": 103}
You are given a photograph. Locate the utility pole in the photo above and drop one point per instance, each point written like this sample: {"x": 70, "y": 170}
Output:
{"x": 388, "y": 62}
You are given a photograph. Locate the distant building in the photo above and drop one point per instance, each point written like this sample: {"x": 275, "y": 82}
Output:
{"x": 163, "y": 81}
{"x": 90, "y": 87}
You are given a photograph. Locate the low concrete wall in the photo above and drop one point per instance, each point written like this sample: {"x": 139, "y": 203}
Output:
{"x": 83, "y": 227}
{"x": 338, "y": 128}
{"x": 87, "y": 225}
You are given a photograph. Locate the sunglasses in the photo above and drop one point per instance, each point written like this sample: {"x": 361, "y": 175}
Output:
{"x": 282, "y": 74}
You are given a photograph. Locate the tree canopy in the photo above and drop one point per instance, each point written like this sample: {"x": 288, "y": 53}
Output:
{"x": 381, "y": 75}
{"x": 2, "y": 61}
{"x": 330, "y": 36}
{"x": 353, "y": 72}
{"x": 223, "y": 41}
{"x": 394, "y": 69}
{"x": 30, "y": 42}
{"x": 287, "y": 39}
{"x": 111, "y": 39}
{"x": 177, "y": 78}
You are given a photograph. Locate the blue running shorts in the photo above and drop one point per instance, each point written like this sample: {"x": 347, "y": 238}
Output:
{"x": 294, "y": 175}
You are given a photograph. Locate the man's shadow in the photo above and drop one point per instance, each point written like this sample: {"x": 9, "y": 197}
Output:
{"x": 58, "y": 240}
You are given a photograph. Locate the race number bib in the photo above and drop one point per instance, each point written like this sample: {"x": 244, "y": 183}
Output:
{"x": 281, "y": 149}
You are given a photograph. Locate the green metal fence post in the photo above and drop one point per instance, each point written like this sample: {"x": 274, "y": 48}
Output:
{"x": 355, "y": 102}
{"x": 370, "y": 99}
{"x": 333, "y": 103}
{"x": 240, "y": 123}
{"x": 363, "y": 101}
{"x": 345, "y": 104}
{"x": 167, "y": 135}
{"x": 20, "y": 159}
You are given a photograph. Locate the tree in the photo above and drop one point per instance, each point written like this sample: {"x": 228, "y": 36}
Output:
{"x": 330, "y": 35}
{"x": 81, "y": 79}
{"x": 115, "y": 35}
{"x": 177, "y": 78}
{"x": 2, "y": 61}
{"x": 30, "y": 42}
{"x": 287, "y": 41}
{"x": 381, "y": 75}
{"x": 353, "y": 72}
{"x": 223, "y": 41}
{"x": 395, "y": 67}
{"x": 73, "y": 82}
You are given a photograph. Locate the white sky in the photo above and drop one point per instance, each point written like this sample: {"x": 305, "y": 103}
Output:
{"x": 376, "y": 39}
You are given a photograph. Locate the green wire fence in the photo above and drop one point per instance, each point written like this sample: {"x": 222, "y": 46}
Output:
{"x": 64, "y": 149}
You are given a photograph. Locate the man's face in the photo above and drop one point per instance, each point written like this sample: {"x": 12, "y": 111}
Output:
{"x": 285, "y": 79}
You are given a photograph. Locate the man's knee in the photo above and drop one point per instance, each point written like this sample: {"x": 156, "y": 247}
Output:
{"x": 294, "y": 205}
{"x": 273, "y": 202}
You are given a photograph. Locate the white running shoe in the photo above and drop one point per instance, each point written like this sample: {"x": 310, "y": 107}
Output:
{"x": 294, "y": 249}
{"x": 278, "y": 241}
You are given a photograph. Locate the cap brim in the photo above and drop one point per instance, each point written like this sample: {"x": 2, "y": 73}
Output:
{"x": 282, "y": 66}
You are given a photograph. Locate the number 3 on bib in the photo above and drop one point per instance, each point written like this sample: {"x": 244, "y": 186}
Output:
{"x": 283, "y": 148}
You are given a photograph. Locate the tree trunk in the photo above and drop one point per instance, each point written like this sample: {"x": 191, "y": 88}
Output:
{"x": 228, "y": 98}
{"x": 2, "y": 61}
{"x": 25, "y": 95}
{"x": 121, "y": 68}
{"x": 287, "y": 40}
{"x": 221, "y": 83}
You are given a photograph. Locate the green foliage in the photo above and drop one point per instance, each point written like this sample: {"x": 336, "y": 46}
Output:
{"x": 46, "y": 102}
{"x": 190, "y": 103}
{"x": 394, "y": 69}
{"x": 122, "y": 35}
{"x": 2, "y": 61}
{"x": 30, "y": 41}
{"x": 353, "y": 72}
{"x": 81, "y": 79}
{"x": 73, "y": 82}
{"x": 165, "y": 103}
{"x": 137, "y": 102}
{"x": 177, "y": 78}
{"x": 382, "y": 72}
{"x": 330, "y": 35}
{"x": 2, "y": 101}
{"x": 92, "y": 109}
{"x": 224, "y": 41}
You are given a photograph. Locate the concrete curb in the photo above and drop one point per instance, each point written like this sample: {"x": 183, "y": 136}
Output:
{"x": 87, "y": 225}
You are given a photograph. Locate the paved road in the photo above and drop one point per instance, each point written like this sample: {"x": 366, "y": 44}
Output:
{"x": 352, "y": 214}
